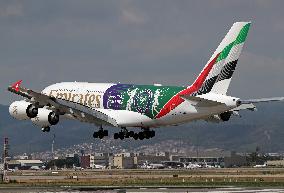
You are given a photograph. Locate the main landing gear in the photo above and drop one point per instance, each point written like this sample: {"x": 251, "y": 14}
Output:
{"x": 101, "y": 133}
{"x": 124, "y": 133}
{"x": 146, "y": 133}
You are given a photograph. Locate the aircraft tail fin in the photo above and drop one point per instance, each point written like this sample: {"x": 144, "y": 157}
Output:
{"x": 216, "y": 75}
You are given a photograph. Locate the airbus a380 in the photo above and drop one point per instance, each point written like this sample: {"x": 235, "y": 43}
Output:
{"x": 142, "y": 106}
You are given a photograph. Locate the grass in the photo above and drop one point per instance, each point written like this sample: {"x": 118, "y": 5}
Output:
{"x": 243, "y": 177}
{"x": 165, "y": 182}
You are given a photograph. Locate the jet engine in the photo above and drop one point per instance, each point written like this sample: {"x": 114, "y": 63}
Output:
{"x": 45, "y": 118}
{"x": 219, "y": 118}
{"x": 23, "y": 110}
{"x": 225, "y": 116}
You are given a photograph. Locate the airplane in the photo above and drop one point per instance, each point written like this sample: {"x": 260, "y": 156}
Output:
{"x": 142, "y": 106}
{"x": 35, "y": 168}
{"x": 156, "y": 166}
{"x": 192, "y": 166}
{"x": 260, "y": 166}
{"x": 97, "y": 166}
{"x": 147, "y": 165}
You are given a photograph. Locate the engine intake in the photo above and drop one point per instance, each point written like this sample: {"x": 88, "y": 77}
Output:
{"x": 225, "y": 116}
{"x": 32, "y": 111}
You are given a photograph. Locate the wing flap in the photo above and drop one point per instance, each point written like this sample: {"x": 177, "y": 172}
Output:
{"x": 82, "y": 111}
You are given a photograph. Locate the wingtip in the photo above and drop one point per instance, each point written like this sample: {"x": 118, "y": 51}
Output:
{"x": 242, "y": 22}
{"x": 16, "y": 85}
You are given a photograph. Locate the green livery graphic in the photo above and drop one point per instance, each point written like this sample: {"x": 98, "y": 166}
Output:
{"x": 144, "y": 99}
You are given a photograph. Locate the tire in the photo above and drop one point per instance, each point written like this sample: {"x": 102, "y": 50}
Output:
{"x": 95, "y": 135}
{"x": 127, "y": 135}
{"x": 116, "y": 136}
{"x": 131, "y": 133}
{"x": 152, "y": 133}
{"x": 101, "y": 136}
{"x": 147, "y": 134}
{"x": 135, "y": 136}
{"x": 141, "y": 135}
{"x": 47, "y": 129}
{"x": 105, "y": 133}
{"x": 121, "y": 135}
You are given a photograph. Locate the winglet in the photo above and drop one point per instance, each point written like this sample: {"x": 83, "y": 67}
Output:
{"x": 16, "y": 85}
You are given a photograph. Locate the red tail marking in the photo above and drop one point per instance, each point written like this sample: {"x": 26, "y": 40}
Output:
{"x": 177, "y": 100}
{"x": 16, "y": 85}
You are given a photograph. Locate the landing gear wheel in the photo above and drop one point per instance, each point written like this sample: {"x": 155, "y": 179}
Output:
{"x": 135, "y": 136}
{"x": 116, "y": 136}
{"x": 147, "y": 134}
{"x": 121, "y": 135}
{"x": 101, "y": 134}
{"x": 126, "y": 135}
{"x": 95, "y": 134}
{"x": 141, "y": 135}
{"x": 45, "y": 129}
{"x": 131, "y": 133}
{"x": 152, "y": 133}
{"x": 105, "y": 133}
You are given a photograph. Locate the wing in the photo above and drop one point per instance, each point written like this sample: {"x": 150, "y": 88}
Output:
{"x": 61, "y": 106}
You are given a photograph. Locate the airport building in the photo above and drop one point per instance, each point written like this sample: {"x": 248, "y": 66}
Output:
{"x": 121, "y": 161}
{"x": 85, "y": 161}
{"x": 89, "y": 161}
{"x": 235, "y": 160}
{"x": 155, "y": 158}
{"x": 275, "y": 163}
{"x": 24, "y": 164}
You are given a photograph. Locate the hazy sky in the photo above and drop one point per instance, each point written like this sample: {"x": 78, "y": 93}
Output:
{"x": 143, "y": 42}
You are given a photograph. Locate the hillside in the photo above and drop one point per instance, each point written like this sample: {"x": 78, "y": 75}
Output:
{"x": 264, "y": 128}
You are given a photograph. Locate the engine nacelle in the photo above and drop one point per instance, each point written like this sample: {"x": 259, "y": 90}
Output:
{"x": 45, "y": 118}
{"x": 23, "y": 110}
{"x": 225, "y": 116}
{"x": 220, "y": 118}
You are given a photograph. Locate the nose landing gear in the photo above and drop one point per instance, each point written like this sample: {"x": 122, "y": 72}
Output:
{"x": 45, "y": 129}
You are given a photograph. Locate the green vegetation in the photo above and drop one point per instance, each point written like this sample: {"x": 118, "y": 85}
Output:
{"x": 246, "y": 177}
{"x": 147, "y": 183}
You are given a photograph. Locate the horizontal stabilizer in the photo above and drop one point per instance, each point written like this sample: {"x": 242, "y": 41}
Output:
{"x": 248, "y": 106}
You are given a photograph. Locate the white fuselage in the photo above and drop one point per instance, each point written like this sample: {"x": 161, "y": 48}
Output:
{"x": 92, "y": 95}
